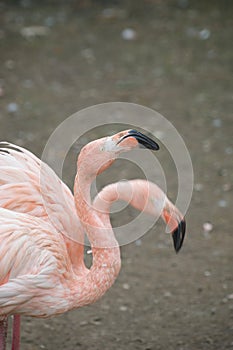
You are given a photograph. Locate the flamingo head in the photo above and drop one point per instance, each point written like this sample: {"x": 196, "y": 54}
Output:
{"x": 101, "y": 153}
{"x": 125, "y": 141}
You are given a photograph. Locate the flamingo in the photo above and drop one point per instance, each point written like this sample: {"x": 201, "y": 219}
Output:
{"x": 42, "y": 273}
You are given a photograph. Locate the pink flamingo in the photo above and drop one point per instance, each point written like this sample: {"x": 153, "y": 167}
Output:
{"x": 41, "y": 274}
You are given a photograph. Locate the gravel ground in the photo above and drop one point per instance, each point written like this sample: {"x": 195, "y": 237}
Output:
{"x": 172, "y": 56}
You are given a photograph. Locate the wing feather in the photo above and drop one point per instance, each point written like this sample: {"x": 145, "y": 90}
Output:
{"x": 33, "y": 260}
{"x": 30, "y": 186}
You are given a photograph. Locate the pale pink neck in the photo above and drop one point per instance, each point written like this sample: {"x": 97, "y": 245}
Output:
{"x": 107, "y": 196}
{"x": 105, "y": 249}
{"x": 128, "y": 191}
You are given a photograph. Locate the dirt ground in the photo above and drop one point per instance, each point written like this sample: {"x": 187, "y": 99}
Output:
{"x": 179, "y": 62}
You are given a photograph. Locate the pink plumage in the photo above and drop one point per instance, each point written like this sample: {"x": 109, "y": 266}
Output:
{"x": 42, "y": 272}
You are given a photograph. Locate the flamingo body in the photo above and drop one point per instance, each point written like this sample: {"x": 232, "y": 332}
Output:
{"x": 42, "y": 272}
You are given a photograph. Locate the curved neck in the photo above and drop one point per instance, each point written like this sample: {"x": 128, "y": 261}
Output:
{"x": 142, "y": 195}
{"x": 106, "y": 253}
{"x": 134, "y": 192}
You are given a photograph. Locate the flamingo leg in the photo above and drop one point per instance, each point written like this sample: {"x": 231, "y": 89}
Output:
{"x": 3, "y": 333}
{"x": 16, "y": 333}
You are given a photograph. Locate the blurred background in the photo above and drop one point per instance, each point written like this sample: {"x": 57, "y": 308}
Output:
{"x": 176, "y": 57}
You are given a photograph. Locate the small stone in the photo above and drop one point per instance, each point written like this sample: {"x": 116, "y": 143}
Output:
{"x": 126, "y": 286}
{"x": 209, "y": 340}
{"x": 34, "y": 31}
{"x": 83, "y": 323}
{"x": 217, "y": 122}
{"x": 222, "y": 203}
{"x": 204, "y": 34}
{"x": 224, "y": 300}
{"x": 123, "y": 308}
{"x": 207, "y": 273}
{"x": 12, "y": 107}
{"x": 230, "y": 296}
{"x": 198, "y": 187}
{"x": 224, "y": 286}
{"x": 223, "y": 172}
{"x": 213, "y": 311}
{"x": 226, "y": 187}
{"x": 128, "y": 34}
{"x": 96, "y": 321}
{"x": 229, "y": 150}
{"x": 47, "y": 326}
{"x": 89, "y": 251}
{"x": 207, "y": 227}
{"x": 138, "y": 242}
{"x": 167, "y": 294}
{"x": 180, "y": 342}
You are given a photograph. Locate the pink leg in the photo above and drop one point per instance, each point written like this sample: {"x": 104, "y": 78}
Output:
{"x": 16, "y": 333}
{"x": 3, "y": 333}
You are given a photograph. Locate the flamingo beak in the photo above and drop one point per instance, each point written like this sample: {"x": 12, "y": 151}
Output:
{"x": 142, "y": 139}
{"x": 178, "y": 235}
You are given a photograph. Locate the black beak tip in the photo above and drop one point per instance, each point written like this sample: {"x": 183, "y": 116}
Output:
{"x": 178, "y": 235}
{"x": 144, "y": 140}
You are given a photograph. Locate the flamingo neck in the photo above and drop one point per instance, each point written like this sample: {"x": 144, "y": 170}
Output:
{"x": 106, "y": 253}
{"x": 107, "y": 196}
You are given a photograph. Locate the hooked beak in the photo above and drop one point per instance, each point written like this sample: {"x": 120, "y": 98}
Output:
{"x": 178, "y": 235}
{"x": 142, "y": 140}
